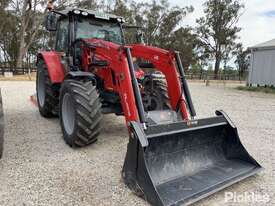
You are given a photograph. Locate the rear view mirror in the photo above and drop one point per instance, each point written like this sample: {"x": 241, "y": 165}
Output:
{"x": 51, "y": 21}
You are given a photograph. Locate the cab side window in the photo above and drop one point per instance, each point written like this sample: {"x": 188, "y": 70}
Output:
{"x": 62, "y": 36}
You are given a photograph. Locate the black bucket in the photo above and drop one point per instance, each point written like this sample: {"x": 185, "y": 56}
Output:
{"x": 181, "y": 163}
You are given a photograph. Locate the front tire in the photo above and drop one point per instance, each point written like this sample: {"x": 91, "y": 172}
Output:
{"x": 155, "y": 94}
{"x": 80, "y": 113}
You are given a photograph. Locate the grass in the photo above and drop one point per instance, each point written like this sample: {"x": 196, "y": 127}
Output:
{"x": 267, "y": 90}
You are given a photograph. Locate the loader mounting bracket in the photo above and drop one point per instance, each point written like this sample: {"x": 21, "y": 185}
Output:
{"x": 81, "y": 75}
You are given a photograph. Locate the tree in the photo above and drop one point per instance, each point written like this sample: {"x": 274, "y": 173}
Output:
{"x": 31, "y": 19}
{"x": 162, "y": 27}
{"x": 159, "y": 20}
{"x": 3, "y": 13}
{"x": 122, "y": 9}
{"x": 242, "y": 60}
{"x": 185, "y": 41}
{"x": 218, "y": 30}
{"x": 23, "y": 33}
{"x": 86, "y": 4}
{"x": 28, "y": 22}
{"x": 8, "y": 39}
{"x": 9, "y": 43}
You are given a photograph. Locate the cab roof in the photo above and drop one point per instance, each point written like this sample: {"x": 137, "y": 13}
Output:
{"x": 86, "y": 12}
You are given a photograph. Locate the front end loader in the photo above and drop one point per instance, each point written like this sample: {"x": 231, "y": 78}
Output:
{"x": 172, "y": 158}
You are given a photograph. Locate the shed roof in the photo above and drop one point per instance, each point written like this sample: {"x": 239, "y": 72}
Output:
{"x": 266, "y": 45}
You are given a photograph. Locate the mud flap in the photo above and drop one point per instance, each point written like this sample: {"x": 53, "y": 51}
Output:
{"x": 181, "y": 163}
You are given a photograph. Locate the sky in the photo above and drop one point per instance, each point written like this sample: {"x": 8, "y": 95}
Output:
{"x": 257, "y": 22}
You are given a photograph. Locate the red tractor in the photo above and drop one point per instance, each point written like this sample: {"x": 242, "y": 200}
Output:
{"x": 172, "y": 158}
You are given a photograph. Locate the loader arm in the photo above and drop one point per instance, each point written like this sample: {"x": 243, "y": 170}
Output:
{"x": 164, "y": 61}
{"x": 116, "y": 57}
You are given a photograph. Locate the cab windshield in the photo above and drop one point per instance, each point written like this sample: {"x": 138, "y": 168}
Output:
{"x": 108, "y": 31}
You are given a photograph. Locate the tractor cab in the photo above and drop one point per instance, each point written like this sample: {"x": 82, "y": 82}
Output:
{"x": 74, "y": 24}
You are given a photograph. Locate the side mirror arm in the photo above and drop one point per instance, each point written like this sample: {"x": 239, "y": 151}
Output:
{"x": 51, "y": 21}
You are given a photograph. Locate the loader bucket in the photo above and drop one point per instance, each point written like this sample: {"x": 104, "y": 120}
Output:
{"x": 183, "y": 162}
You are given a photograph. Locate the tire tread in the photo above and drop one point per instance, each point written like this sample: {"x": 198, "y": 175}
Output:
{"x": 88, "y": 113}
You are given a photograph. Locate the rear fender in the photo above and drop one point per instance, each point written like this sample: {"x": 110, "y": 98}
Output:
{"x": 54, "y": 66}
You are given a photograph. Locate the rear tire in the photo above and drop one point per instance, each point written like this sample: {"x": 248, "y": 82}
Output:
{"x": 155, "y": 94}
{"x": 47, "y": 94}
{"x": 80, "y": 113}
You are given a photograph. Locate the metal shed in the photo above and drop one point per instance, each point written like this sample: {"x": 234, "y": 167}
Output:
{"x": 262, "y": 66}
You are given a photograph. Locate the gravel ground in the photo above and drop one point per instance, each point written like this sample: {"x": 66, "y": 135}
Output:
{"x": 38, "y": 168}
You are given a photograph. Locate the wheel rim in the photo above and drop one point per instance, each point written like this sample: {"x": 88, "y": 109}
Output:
{"x": 68, "y": 114}
{"x": 41, "y": 93}
{"x": 151, "y": 102}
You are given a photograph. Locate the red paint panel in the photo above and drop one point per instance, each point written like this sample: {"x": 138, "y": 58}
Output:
{"x": 116, "y": 57}
{"x": 55, "y": 68}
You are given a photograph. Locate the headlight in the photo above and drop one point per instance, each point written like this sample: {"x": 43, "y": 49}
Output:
{"x": 77, "y": 12}
{"x": 84, "y": 13}
{"x": 121, "y": 20}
